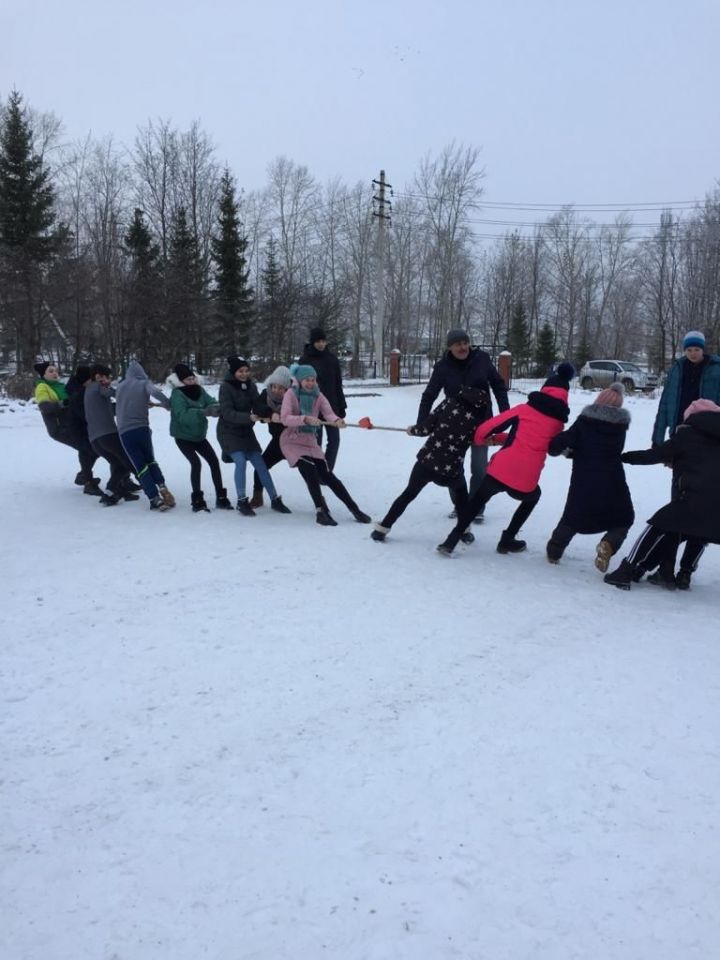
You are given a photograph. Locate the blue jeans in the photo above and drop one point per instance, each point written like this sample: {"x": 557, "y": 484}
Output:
{"x": 138, "y": 446}
{"x": 240, "y": 458}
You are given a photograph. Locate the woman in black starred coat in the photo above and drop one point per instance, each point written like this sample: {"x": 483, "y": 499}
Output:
{"x": 451, "y": 427}
{"x": 598, "y": 499}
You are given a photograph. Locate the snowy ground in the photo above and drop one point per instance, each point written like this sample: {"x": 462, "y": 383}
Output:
{"x": 259, "y": 739}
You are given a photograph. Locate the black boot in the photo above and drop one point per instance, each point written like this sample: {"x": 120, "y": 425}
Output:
{"x": 360, "y": 516}
{"x": 132, "y": 486}
{"x": 243, "y": 507}
{"x": 621, "y": 578}
{"x": 508, "y": 543}
{"x": 379, "y": 533}
{"x": 682, "y": 579}
{"x": 467, "y": 537}
{"x": 322, "y": 516}
{"x": 81, "y": 478}
{"x": 277, "y": 504}
{"x": 109, "y": 499}
{"x": 92, "y": 488}
{"x": 198, "y": 502}
{"x": 664, "y": 576}
{"x": 222, "y": 501}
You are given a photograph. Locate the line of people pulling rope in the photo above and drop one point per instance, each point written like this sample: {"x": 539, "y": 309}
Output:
{"x": 294, "y": 407}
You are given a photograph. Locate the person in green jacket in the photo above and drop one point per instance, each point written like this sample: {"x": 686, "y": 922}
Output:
{"x": 190, "y": 406}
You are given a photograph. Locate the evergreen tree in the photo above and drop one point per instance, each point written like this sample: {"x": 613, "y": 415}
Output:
{"x": 145, "y": 326}
{"x": 233, "y": 296}
{"x": 276, "y": 308}
{"x": 184, "y": 292}
{"x": 584, "y": 351}
{"x": 519, "y": 342}
{"x": 28, "y": 242}
{"x": 545, "y": 351}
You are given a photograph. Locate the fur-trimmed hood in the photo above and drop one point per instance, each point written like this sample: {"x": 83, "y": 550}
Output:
{"x": 175, "y": 382}
{"x": 606, "y": 414}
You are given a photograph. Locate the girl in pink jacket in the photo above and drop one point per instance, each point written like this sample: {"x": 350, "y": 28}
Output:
{"x": 300, "y": 413}
{"x": 516, "y": 467}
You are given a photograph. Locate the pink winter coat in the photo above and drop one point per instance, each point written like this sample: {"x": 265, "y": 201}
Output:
{"x": 531, "y": 426}
{"x": 294, "y": 443}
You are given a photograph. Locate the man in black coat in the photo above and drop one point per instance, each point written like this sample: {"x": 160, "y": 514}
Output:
{"x": 329, "y": 378}
{"x": 465, "y": 366}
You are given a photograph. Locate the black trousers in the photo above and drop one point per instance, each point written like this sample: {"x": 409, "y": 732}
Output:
{"x": 663, "y": 547}
{"x": 563, "y": 534}
{"x": 63, "y": 431}
{"x": 476, "y": 504}
{"x": 193, "y": 450}
{"x": 272, "y": 455}
{"x": 420, "y": 477}
{"x": 110, "y": 449}
{"x": 315, "y": 473}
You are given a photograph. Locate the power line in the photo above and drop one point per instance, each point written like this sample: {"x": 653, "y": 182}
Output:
{"x": 608, "y": 207}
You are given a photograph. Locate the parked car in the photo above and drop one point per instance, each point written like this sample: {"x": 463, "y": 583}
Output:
{"x": 601, "y": 373}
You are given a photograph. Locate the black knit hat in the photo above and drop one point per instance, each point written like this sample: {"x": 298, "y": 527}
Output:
{"x": 183, "y": 371}
{"x": 41, "y": 367}
{"x": 456, "y": 336}
{"x": 317, "y": 333}
{"x": 562, "y": 376}
{"x": 82, "y": 373}
{"x": 100, "y": 369}
{"x": 236, "y": 362}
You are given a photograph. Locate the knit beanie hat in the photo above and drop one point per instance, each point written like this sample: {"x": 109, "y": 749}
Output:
{"x": 701, "y": 406}
{"x": 100, "y": 369}
{"x": 694, "y": 339}
{"x": 82, "y": 373}
{"x": 303, "y": 370}
{"x": 236, "y": 362}
{"x": 280, "y": 375}
{"x": 562, "y": 376}
{"x": 456, "y": 336}
{"x": 183, "y": 371}
{"x": 317, "y": 333}
{"x": 41, "y": 367}
{"x": 611, "y": 396}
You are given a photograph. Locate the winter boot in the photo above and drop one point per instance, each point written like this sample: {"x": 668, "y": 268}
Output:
{"x": 379, "y": 533}
{"x": 553, "y": 554}
{"x": 467, "y": 537}
{"x": 275, "y": 504}
{"x": 128, "y": 496}
{"x": 257, "y": 499}
{"x": 682, "y": 579}
{"x": 322, "y": 516}
{"x": 662, "y": 579}
{"x": 360, "y": 516}
{"x": 168, "y": 498}
{"x": 197, "y": 501}
{"x": 157, "y": 503}
{"x": 621, "y": 578}
{"x": 81, "y": 478}
{"x": 603, "y": 552}
{"x": 109, "y": 499}
{"x": 92, "y": 488}
{"x": 132, "y": 486}
{"x": 243, "y": 507}
{"x": 508, "y": 544}
{"x": 445, "y": 548}
{"x": 222, "y": 501}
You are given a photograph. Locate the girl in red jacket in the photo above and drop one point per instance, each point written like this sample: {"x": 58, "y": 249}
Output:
{"x": 516, "y": 468}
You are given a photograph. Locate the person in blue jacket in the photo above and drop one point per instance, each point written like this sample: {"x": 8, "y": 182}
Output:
{"x": 465, "y": 366}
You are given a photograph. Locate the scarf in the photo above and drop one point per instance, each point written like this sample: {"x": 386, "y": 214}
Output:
{"x": 57, "y": 387}
{"x": 306, "y": 399}
{"x": 273, "y": 402}
{"x": 193, "y": 391}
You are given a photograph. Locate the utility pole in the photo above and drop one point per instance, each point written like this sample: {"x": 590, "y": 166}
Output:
{"x": 382, "y": 211}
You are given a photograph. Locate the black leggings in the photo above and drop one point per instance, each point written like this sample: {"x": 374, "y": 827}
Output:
{"x": 272, "y": 455}
{"x": 420, "y": 477}
{"x": 488, "y": 489}
{"x": 315, "y": 472}
{"x": 193, "y": 450}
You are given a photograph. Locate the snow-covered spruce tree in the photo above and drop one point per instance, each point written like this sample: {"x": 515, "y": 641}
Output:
{"x": 28, "y": 241}
{"x": 185, "y": 302}
{"x": 545, "y": 350}
{"x": 233, "y": 297}
{"x": 145, "y": 331}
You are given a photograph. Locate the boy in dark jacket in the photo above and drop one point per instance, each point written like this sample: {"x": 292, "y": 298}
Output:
{"x": 451, "y": 427}
{"x": 694, "y": 451}
{"x": 329, "y": 380}
{"x": 598, "y": 500}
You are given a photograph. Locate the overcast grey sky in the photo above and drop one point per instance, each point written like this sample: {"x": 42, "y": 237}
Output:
{"x": 570, "y": 100}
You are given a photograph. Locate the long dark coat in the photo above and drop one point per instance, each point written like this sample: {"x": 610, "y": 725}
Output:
{"x": 598, "y": 498}
{"x": 694, "y": 451}
{"x": 329, "y": 376}
{"x": 449, "y": 374}
{"x": 237, "y": 401}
